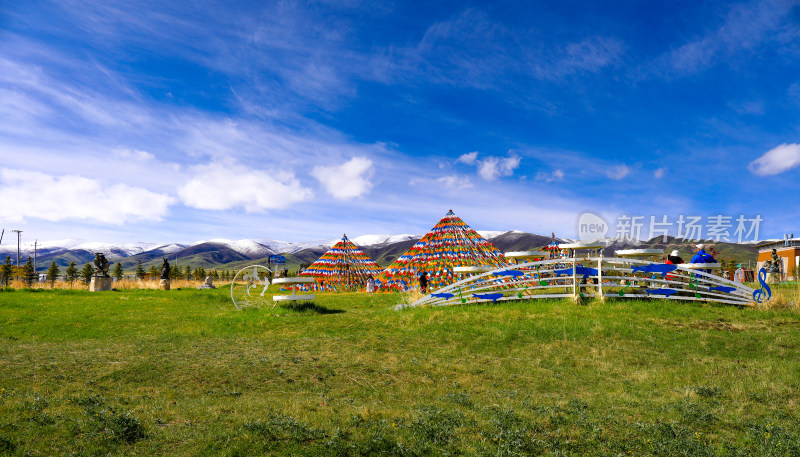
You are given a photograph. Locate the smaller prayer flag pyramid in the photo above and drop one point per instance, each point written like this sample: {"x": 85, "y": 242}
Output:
{"x": 343, "y": 266}
{"x": 450, "y": 243}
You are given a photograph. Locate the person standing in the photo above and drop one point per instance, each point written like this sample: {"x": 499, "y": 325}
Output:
{"x": 370, "y": 285}
{"x": 423, "y": 282}
{"x": 738, "y": 275}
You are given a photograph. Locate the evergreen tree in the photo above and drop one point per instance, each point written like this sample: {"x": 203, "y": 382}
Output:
{"x": 5, "y": 271}
{"x": 117, "y": 271}
{"x": 87, "y": 272}
{"x": 52, "y": 274}
{"x": 215, "y": 275}
{"x": 154, "y": 272}
{"x": 175, "y": 272}
{"x": 29, "y": 274}
{"x": 140, "y": 274}
{"x": 72, "y": 273}
{"x": 188, "y": 272}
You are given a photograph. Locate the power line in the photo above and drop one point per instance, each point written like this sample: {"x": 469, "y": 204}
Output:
{"x": 19, "y": 234}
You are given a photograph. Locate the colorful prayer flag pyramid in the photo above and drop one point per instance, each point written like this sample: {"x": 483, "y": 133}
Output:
{"x": 450, "y": 243}
{"x": 343, "y": 266}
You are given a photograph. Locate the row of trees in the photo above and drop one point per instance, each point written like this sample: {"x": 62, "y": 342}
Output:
{"x": 177, "y": 272}
{"x": 28, "y": 275}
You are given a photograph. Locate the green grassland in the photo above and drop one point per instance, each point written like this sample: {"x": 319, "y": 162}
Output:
{"x": 182, "y": 372}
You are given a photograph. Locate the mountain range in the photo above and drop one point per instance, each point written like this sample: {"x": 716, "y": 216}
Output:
{"x": 384, "y": 249}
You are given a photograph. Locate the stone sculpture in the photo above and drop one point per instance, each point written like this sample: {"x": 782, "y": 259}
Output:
{"x": 776, "y": 262}
{"x": 101, "y": 265}
{"x": 101, "y": 280}
{"x": 165, "y": 268}
{"x": 208, "y": 284}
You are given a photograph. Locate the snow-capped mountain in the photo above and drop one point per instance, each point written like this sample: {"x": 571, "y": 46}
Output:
{"x": 54, "y": 247}
{"x": 215, "y": 252}
{"x": 248, "y": 248}
{"x": 80, "y": 251}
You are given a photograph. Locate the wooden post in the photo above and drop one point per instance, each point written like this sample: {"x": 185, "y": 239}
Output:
{"x": 574, "y": 285}
{"x": 600, "y": 275}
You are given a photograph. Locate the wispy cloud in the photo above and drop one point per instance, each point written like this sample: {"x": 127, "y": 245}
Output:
{"x": 133, "y": 154}
{"x": 591, "y": 54}
{"x": 659, "y": 173}
{"x": 776, "y": 160}
{"x": 456, "y": 182}
{"x": 556, "y": 175}
{"x": 793, "y": 93}
{"x": 473, "y": 49}
{"x": 745, "y": 27}
{"x": 348, "y": 180}
{"x": 753, "y": 107}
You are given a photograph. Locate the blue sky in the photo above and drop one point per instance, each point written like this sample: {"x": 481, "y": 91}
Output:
{"x": 136, "y": 121}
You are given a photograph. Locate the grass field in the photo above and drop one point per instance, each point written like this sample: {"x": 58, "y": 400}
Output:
{"x": 182, "y": 372}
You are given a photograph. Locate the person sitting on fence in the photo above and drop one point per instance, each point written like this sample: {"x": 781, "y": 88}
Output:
{"x": 703, "y": 257}
{"x": 673, "y": 258}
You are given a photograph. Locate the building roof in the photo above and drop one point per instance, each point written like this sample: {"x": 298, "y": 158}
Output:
{"x": 770, "y": 244}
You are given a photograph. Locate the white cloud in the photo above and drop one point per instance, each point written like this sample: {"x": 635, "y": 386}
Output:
{"x": 455, "y": 182}
{"x": 134, "y": 154}
{"x": 776, "y": 160}
{"x": 348, "y": 180}
{"x": 468, "y": 158}
{"x": 618, "y": 172}
{"x": 492, "y": 168}
{"x": 31, "y": 194}
{"x": 556, "y": 175}
{"x": 219, "y": 187}
{"x": 658, "y": 174}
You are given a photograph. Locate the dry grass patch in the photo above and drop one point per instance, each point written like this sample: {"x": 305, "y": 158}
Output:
{"x": 122, "y": 284}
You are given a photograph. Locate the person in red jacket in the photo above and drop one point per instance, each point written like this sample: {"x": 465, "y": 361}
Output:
{"x": 673, "y": 258}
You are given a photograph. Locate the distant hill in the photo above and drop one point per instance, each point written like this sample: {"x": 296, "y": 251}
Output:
{"x": 724, "y": 251}
{"x": 384, "y": 249}
{"x": 520, "y": 241}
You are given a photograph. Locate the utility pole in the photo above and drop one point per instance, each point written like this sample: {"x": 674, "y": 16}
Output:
{"x": 19, "y": 234}
{"x": 35, "y": 244}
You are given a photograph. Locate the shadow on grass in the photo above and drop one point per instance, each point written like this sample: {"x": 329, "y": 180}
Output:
{"x": 308, "y": 306}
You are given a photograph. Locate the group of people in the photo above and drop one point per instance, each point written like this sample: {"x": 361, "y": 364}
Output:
{"x": 701, "y": 256}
